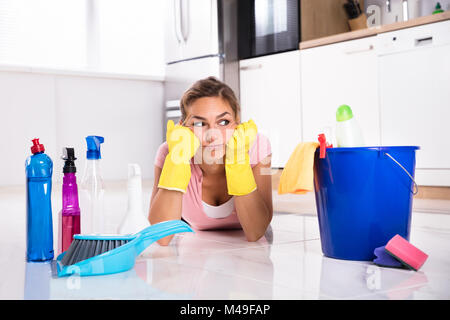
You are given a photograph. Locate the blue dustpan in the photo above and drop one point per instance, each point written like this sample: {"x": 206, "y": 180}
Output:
{"x": 105, "y": 254}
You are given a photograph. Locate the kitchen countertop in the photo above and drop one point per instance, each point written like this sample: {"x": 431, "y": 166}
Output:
{"x": 357, "y": 34}
{"x": 78, "y": 73}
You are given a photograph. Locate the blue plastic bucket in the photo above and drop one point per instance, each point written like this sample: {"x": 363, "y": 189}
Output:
{"x": 363, "y": 198}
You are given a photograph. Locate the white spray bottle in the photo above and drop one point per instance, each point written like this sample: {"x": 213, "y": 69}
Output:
{"x": 92, "y": 190}
{"x": 135, "y": 220}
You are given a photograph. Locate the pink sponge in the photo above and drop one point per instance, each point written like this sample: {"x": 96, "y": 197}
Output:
{"x": 406, "y": 253}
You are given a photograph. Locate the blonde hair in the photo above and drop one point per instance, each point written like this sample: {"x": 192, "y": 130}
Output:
{"x": 209, "y": 87}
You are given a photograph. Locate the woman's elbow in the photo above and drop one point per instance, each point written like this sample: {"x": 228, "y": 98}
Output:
{"x": 253, "y": 239}
{"x": 254, "y": 236}
{"x": 165, "y": 241}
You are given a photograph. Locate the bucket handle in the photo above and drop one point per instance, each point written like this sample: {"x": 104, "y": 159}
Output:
{"x": 415, "y": 184}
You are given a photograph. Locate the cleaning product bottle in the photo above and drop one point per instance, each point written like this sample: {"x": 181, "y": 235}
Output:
{"x": 134, "y": 220}
{"x": 69, "y": 223}
{"x": 39, "y": 169}
{"x": 438, "y": 9}
{"x": 92, "y": 189}
{"x": 348, "y": 131}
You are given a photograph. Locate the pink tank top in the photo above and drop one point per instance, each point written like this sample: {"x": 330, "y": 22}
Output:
{"x": 192, "y": 206}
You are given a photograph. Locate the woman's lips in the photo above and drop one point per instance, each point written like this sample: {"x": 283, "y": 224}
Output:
{"x": 214, "y": 146}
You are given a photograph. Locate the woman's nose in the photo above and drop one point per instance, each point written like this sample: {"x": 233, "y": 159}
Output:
{"x": 212, "y": 134}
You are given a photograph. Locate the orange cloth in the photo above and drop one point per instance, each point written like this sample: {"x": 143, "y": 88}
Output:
{"x": 297, "y": 176}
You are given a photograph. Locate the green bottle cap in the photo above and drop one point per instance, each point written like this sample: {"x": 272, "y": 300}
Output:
{"x": 343, "y": 113}
{"x": 438, "y": 9}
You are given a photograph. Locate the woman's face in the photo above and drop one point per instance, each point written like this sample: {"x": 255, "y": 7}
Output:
{"x": 213, "y": 122}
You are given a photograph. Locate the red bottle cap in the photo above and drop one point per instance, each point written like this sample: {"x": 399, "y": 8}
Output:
{"x": 323, "y": 145}
{"x": 37, "y": 147}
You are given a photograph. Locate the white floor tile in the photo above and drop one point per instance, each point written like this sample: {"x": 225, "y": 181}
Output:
{"x": 287, "y": 263}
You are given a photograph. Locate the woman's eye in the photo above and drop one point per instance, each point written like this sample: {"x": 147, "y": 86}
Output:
{"x": 224, "y": 122}
{"x": 198, "y": 124}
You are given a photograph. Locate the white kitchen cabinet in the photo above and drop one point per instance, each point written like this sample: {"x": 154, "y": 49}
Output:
{"x": 270, "y": 95}
{"x": 414, "y": 80}
{"x": 336, "y": 74}
{"x": 200, "y": 28}
{"x": 191, "y": 29}
{"x": 172, "y": 38}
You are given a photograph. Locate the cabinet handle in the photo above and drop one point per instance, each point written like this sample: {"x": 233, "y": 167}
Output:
{"x": 252, "y": 67}
{"x": 370, "y": 48}
{"x": 177, "y": 20}
{"x": 424, "y": 41}
{"x": 185, "y": 19}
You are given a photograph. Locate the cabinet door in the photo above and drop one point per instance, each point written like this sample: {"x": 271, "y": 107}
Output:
{"x": 199, "y": 28}
{"x": 191, "y": 29}
{"x": 336, "y": 74}
{"x": 270, "y": 95}
{"x": 172, "y": 34}
{"x": 415, "y": 94}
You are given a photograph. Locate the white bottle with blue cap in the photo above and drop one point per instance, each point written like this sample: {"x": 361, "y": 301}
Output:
{"x": 92, "y": 190}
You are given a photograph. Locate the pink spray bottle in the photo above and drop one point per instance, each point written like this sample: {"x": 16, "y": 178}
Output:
{"x": 70, "y": 214}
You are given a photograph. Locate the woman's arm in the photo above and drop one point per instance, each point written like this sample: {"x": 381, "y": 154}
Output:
{"x": 164, "y": 205}
{"x": 255, "y": 209}
{"x": 171, "y": 181}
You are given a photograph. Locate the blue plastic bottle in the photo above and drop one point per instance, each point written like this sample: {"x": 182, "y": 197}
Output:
{"x": 39, "y": 169}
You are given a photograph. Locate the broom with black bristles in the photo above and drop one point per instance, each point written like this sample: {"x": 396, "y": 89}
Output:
{"x": 105, "y": 254}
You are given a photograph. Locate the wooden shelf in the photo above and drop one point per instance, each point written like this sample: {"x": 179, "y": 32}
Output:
{"x": 352, "y": 35}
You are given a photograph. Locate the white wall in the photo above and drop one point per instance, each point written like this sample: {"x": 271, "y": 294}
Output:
{"x": 62, "y": 110}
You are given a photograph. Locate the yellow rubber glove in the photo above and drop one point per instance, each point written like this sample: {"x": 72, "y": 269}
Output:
{"x": 183, "y": 144}
{"x": 239, "y": 174}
